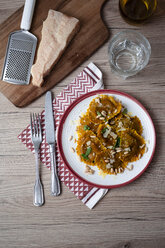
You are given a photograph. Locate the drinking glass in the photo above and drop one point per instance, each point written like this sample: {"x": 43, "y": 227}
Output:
{"x": 129, "y": 52}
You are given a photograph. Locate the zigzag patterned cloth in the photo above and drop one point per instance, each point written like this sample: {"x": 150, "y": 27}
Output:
{"x": 89, "y": 79}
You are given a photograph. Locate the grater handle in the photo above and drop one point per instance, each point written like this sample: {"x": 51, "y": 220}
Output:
{"x": 27, "y": 14}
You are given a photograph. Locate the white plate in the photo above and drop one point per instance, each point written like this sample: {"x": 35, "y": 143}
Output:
{"x": 67, "y": 128}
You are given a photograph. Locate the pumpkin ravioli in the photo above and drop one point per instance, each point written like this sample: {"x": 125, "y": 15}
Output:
{"x": 103, "y": 108}
{"x": 88, "y": 145}
{"x": 124, "y": 122}
{"x": 132, "y": 145}
{"x": 106, "y": 135}
{"x": 86, "y": 124}
{"x": 109, "y": 163}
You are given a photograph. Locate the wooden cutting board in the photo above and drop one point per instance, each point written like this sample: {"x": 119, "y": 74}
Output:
{"x": 91, "y": 36}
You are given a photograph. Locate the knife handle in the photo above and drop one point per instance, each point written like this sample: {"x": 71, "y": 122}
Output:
{"x": 55, "y": 183}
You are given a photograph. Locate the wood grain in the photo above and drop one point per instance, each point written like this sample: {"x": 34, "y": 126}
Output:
{"x": 128, "y": 217}
{"x": 91, "y": 36}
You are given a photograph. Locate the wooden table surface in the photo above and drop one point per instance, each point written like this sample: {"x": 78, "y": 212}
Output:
{"x": 128, "y": 217}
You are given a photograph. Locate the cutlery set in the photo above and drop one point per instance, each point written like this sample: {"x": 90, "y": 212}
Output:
{"x": 36, "y": 136}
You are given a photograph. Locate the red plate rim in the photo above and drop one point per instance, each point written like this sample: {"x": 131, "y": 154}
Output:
{"x": 60, "y": 129}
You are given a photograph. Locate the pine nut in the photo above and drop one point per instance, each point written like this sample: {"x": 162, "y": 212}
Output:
{"x": 72, "y": 149}
{"x": 104, "y": 113}
{"x": 92, "y": 136}
{"x": 88, "y": 143}
{"x": 130, "y": 167}
{"x": 98, "y": 100}
{"x": 114, "y": 136}
{"x": 108, "y": 166}
{"x": 120, "y": 170}
{"x": 128, "y": 149}
{"x": 88, "y": 170}
{"x": 112, "y": 161}
{"x": 102, "y": 118}
{"x": 70, "y": 138}
{"x": 109, "y": 147}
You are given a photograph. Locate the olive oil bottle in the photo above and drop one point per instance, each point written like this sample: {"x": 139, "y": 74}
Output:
{"x": 137, "y": 11}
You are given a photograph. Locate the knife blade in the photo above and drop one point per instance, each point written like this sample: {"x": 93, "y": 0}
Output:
{"x": 50, "y": 139}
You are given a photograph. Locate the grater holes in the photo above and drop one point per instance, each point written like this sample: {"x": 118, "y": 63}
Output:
{"x": 21, "y": 45}
{"x": 18, "y": 65}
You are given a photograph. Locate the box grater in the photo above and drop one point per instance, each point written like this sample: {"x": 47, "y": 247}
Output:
{"x": 20, "y": 50}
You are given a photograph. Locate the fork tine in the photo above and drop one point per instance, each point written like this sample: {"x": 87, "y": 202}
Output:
{"x": 34, "y": 125}
{"x": 31, "y": 125}
{"x": 36, "y": 119}
{"x": 40, "y": 130}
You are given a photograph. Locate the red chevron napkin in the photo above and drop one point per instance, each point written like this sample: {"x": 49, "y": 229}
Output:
{"x": 89, "y": 79}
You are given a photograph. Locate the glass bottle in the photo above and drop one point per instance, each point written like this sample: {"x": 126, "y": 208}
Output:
{"x": 137, "y": 10}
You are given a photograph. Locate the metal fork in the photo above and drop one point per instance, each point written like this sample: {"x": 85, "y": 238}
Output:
{"x": 36, "y": 135}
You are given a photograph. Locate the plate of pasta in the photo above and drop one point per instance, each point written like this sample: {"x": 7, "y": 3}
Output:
{"x": 106, "y": 138}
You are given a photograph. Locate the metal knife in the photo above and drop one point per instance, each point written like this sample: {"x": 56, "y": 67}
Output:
{"x": 50, "y": 139}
